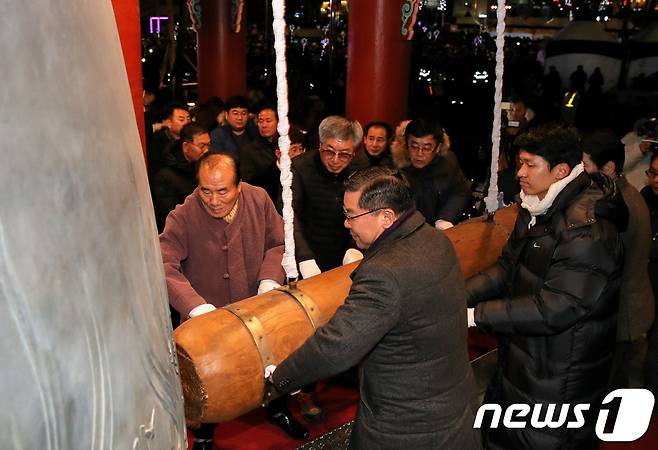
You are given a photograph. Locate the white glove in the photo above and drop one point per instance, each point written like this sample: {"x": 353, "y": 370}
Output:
{"x": 269, "y": 370}
{"x": 266, "y": 286}
{"x": 442, "y": 224}
{"x": 470, "y": 314}
{"x": 352, "y": 255}
{"x": 201, "y": 309}
{"x": 309, "y": 268}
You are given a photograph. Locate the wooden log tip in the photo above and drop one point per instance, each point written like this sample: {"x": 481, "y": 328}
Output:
{"x": 194, "y": 391}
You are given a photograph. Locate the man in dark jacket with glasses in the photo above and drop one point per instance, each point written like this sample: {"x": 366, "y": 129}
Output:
{"x": 321, "y": 241}
{"x": 404, "y": 320}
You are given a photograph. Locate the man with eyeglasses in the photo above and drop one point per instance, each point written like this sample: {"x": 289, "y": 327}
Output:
{"x": 404, "y": 321}
{"x": 321, "y": 241}
{"x": 176, "y": 179}
{"x": 441, "y": 190}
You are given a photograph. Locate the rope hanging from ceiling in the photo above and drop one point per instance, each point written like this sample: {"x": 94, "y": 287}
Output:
{"x": 492, "y": 201}
{"x": 279, "y": 26}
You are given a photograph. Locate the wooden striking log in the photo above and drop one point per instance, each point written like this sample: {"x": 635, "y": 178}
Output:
{"x": 222, "y": 354}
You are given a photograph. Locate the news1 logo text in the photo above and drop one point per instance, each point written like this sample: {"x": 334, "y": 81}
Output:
{"x": 632, "y": 420}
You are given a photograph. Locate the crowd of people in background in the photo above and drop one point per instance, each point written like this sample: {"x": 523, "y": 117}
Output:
{"x": 585, "y": 180}
{"x": 443, "y": 151}
{"x": 237, "y": 144}
{"x": 442, "y": 83}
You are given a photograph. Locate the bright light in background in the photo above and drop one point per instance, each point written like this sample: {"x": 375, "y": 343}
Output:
{"x": 480, "y": 77}
{"x": 154, "y": 23}
{"x": 424, "y": 73}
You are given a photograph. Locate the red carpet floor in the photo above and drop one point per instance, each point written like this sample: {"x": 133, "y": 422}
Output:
{"x": 253, "y": 432}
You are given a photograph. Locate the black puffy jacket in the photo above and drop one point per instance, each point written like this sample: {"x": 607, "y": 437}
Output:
{"x": 552, "y": 298}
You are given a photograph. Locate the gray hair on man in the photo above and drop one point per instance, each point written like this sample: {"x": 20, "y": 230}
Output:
{"x": 341, "y": 128}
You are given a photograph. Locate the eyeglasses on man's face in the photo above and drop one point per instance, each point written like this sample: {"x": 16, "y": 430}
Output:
{"x": 424, "y": 148}
{"x": 331, "y": 154}
{"x": 351, "y": 218}
{"x": 651, "y": 173}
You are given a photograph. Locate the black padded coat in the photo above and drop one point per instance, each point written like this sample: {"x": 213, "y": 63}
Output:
{"x": 552, "y": 298}
{"x": 440, "y": 188}
{"x": 318, "y": 202}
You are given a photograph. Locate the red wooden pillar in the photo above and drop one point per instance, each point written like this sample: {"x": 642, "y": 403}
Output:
{"x": 126, "y": 14}
{"x": 378, "y": 62}
{"x": 222, "y": 60}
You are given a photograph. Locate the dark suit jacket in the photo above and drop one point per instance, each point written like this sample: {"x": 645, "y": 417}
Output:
{"x": 405, "y": 318}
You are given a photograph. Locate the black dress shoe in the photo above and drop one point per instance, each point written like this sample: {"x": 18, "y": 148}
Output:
{"x": 288, "y": 423}
{"x": 202, "y": 444}
{"x": 203, "y": 436}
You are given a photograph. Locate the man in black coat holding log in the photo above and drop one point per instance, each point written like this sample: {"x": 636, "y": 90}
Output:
{"x": 404, "y": 320}
{"x": 553, "y": 295}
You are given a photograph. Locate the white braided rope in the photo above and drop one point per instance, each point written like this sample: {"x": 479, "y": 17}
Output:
{"x": 492, "y": 196}
{"x": 279, "y": 26}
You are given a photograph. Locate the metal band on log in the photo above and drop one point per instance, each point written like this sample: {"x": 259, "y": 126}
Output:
{"x": 257, "y": 334}
{"x": 306, "y": 303}
{"x": 222, "y": 372}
